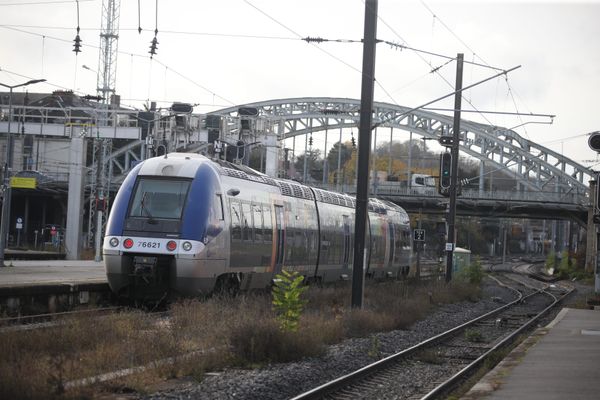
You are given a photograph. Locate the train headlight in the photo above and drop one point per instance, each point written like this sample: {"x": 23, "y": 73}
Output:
{"x": 128, "y": 243}
{"x": 171, "y": 245}
{"x": 114, "y": 242}
{"x": 187, "y": 246}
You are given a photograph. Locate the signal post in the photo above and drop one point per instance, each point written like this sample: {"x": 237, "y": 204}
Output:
{"x": 593, "y": 230}
{"x": 449, "y": 168}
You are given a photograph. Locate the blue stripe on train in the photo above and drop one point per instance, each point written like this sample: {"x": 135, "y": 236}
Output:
{"x": 195, "y": 224}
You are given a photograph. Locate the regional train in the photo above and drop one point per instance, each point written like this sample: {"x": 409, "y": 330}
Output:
{"x": 187, "y": 225}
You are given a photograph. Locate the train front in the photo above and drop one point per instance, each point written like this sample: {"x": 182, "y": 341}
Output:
{"x": 163, "y": 234}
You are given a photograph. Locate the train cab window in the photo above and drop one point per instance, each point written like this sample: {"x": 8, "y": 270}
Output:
{"x": 268, "y": 225}
{"x": 159, "y": 198}
{"x": 257, "y": 219}
{"x": 236, "y": 221}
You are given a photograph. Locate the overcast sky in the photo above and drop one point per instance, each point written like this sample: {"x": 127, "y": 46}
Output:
{"x": 221, "y": 53}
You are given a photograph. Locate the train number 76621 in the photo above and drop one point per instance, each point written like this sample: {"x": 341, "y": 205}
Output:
{"x": 149, "y": 245}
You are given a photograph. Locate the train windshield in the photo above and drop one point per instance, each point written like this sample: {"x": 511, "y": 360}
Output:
{"x": 158, "y": 198}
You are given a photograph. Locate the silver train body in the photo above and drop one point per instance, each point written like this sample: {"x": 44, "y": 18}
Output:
{"x": 186, "y": 225}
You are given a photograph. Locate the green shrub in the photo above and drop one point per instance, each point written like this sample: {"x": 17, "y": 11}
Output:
{"x": 474, "y": 272}
{"x": 473, "y": 335}
{"x": 551, "y": 262}
{"x": 287, "y": 301}
{"x": 569, "y": 269}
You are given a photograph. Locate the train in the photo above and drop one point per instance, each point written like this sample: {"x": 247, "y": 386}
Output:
{"x": 184, "y": 224}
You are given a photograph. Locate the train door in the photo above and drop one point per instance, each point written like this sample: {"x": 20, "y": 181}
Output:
{"x": 279, "y": 238}
{"x": 346, "y": 254}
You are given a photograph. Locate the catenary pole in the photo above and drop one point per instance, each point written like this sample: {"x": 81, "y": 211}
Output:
{"x": 364, "y": 148}
{"x": 454, "y": 167}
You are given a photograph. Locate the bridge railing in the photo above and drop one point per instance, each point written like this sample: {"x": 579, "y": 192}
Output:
{"x": 400, "y": 190}
{"x": 71, "y": 115}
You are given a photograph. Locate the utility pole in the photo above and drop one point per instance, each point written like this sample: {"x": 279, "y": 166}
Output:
{"x": 364, "y": 148}
{"x": 450, "y": 244}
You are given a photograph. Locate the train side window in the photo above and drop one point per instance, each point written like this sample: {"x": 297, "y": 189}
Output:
{"x": 257, "y": 218}
{"x": 246, "y": 222}
{"x": 400, "y": 234}
{"x": 268, "y": 225}
{"x": 236, "y": 221}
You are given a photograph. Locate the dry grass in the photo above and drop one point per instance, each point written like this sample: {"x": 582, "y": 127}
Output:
{"x": 218, "y": 332}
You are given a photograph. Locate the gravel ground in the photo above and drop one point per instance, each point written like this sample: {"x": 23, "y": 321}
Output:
{"x": 283, "y": 381}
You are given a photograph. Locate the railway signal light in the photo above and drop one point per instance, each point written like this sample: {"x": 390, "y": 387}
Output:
{"x": 594, "y": 141}
{"x": 445, "y": 173}
{"x": 446, "y": 141}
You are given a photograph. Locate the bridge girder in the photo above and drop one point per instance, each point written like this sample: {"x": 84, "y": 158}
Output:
{"x": 502, "y": 148}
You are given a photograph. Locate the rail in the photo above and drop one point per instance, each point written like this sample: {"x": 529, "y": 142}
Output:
{"x": 376, "y": 372}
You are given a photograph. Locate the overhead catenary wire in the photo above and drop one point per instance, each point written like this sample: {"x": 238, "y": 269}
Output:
{"x": 300, "y": 37}
{"x": 177, "y": 32}
{"x": 490, "y": 112}
{"x": 127, "y": 53}
{"x": 443, "y": 97}
{"x": 37, "y": 3}
{"x": 431, "y": 53}
{"x": 428, "y": 63}
{"x": 316, "y": 39}
{"x": 139, "y": 18}
{"x": 474, "y": 55}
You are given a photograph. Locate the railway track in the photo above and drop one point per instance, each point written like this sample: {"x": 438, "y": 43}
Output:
{"x": 453, "y": 355}
{"x": 46, "y": 320}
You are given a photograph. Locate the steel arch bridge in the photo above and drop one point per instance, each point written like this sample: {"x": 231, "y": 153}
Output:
{"x": 537, "y": 166}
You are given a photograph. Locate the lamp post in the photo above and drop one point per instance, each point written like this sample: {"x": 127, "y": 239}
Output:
{"x": 8, "y": 164}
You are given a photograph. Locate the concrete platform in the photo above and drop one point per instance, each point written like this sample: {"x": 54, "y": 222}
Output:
{"x": 559, "y": 361}
{"x": 44, "y": 272}
{"x": 37, "y": 286}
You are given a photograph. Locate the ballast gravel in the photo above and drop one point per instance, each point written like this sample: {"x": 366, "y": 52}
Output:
{"x": 284, "y": 381}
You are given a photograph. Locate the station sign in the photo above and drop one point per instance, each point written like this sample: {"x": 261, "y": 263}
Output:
{"x": 419, "y": 235}
{"x": 23, "y": 183}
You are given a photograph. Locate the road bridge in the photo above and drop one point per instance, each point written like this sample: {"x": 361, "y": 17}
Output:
{"x": 537, "y": 167}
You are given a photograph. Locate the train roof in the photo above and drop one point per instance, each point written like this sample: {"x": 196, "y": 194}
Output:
{"x": 287, "y": 187}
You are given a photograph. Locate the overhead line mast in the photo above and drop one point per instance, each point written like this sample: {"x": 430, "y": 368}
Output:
{"x": 106, "y": 82}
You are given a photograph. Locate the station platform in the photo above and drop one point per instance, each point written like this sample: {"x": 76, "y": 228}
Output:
{"x": 45, "y": 272}
{"x": 559, "y": 361}
{"x": 50, "y": 285}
